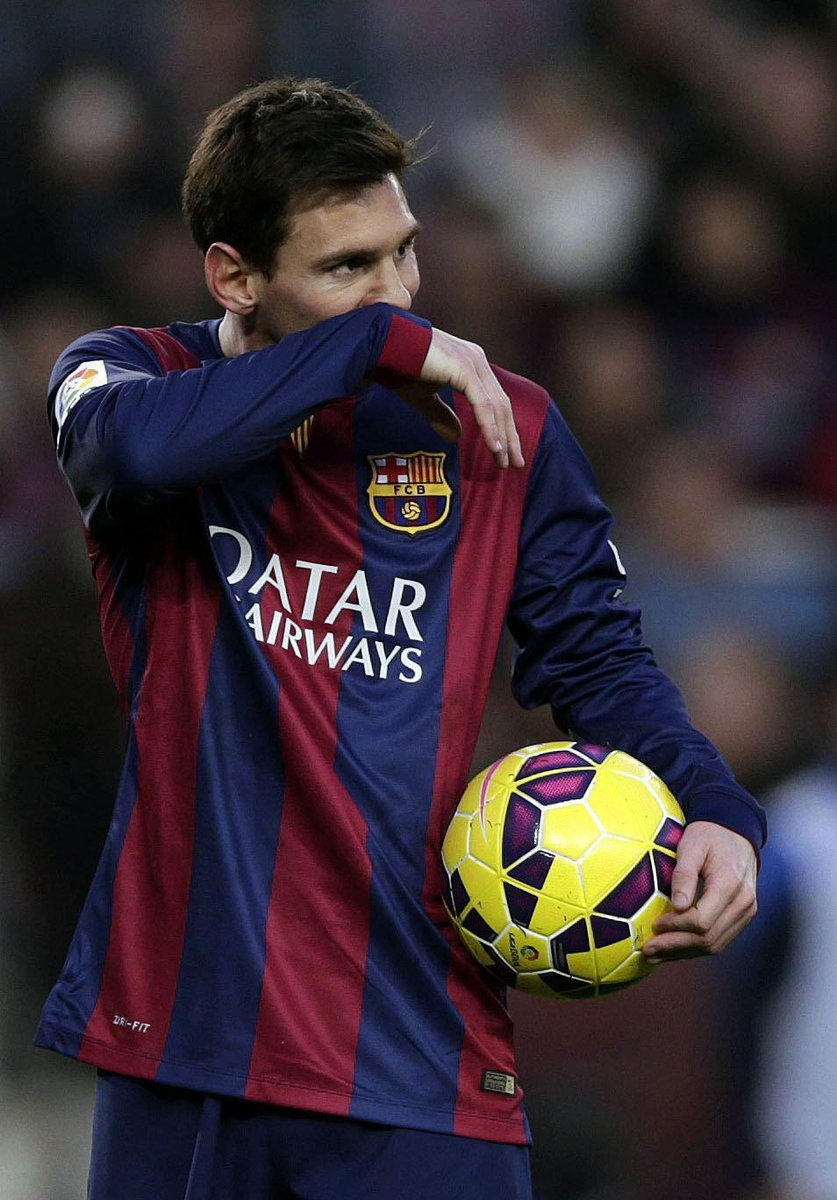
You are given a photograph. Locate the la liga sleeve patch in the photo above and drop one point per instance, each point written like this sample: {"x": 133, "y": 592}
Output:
{"x": 85, "y": 377}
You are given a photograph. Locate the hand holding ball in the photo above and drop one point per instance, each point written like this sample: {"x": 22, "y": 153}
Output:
{"x": 556, "y": 864}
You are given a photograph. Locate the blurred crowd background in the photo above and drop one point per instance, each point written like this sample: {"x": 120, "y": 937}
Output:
{"x": 630, "y": 201}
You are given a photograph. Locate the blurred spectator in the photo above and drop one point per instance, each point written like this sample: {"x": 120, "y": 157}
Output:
{"x": 748, "y": 339}
{"x": 424, "y": 62}
{"x": 35, "y": 522}
{"x": 58, "y": 731}
{"x": 92, "y": 158}
{"x": 156, "y": 274}
{"x": 469, "y": 279}
{"x": 777, "y": 987}
{"x": 207, "y": 51}
{"x": 796, "y": 1086}
{"x": 739, "y": 692}
{"x": 704, "y": 552}
{"x": 606, "y": 365}
{"x": 563, "y": 165}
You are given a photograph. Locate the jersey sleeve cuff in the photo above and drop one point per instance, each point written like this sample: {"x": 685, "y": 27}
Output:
{"x": 733, "y": 813}
{"x": 404, "y": 350}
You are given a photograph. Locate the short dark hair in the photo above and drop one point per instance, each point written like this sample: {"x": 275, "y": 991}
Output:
{"x": 279, "y": 146}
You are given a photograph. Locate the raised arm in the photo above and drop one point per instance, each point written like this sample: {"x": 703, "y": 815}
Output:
{"x": 143, "y": 429}
{"x": 126, "y": 426}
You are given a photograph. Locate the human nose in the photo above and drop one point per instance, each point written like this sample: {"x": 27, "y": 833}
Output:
{"x": 389, "y": 286}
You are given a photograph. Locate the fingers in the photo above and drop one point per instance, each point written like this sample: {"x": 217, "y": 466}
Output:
{"x": 707, "y": 927}
{"x": 464, "y": 366}
{"x": 499, "y": 419}
{"x": 694, "y": 943}
{"x": 713, "y": 894}
{"x": 670, "y": 946}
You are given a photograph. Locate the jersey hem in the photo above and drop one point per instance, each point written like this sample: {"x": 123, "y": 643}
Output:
{"x": 462, "y": 1123}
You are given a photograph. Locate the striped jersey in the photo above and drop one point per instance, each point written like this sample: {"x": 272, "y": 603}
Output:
{"x": 302, "y": 591}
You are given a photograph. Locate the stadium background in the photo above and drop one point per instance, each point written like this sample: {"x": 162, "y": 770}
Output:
{"x": 628, "y": 201}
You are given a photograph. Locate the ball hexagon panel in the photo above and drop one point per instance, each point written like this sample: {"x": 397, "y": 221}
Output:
{"x": 643, "y": 921}
{"x": 558, "y": 787}
{"x": 521, "y": 903}
{"x": 527, "y": 952}
{"x": 632, "y": 967}
{"x": 664, "y": 865}
{"x": 609, "y": 930}
{"x": 669, "y": 834}
{"x": 634, "y": 886}
{"x": 574, "y": 940}
{"x": 476, "y": 923}
{"x": 551, "y": 984}
{"x": 457, "y": 895}
{"x": 569, "y": 830}
{"x": 608, "y": 867}
{"x": 616, "y": 945}
{"x": 534, "y": 952}
{"x": 550, "y": 760}
{"x": 521, "y": 829}
{"x": 626, "y": 806}
{"x": 597, "y": 754}
{"x": 533, "y": 869}
{"x": 500, "y": 968}
{"x": 476, "y": 948}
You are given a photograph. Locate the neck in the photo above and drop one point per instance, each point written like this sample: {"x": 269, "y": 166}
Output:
{"x": 239, "y": 334}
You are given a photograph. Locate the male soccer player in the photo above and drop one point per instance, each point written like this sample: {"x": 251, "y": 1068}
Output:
{"x": 309, "y": 522}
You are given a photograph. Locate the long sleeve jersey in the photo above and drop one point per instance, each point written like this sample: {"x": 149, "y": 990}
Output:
{"x": 302, "y": 592}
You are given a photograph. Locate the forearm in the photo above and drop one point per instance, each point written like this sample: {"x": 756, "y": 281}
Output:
{"x": 151, "y": 432}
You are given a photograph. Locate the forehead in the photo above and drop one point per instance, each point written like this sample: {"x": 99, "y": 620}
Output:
{"x": 367, "y": 219}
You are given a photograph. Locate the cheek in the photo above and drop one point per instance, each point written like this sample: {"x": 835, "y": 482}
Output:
{"x": 295, "y": 309}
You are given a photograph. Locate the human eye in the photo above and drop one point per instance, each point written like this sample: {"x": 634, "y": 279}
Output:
{"x": 406, "y": 248}
{"x": 349, "y": 267}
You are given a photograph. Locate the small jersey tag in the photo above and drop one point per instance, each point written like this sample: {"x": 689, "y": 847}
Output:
{"x": 499, "y": 1081}
{"x": 82, "y": 379}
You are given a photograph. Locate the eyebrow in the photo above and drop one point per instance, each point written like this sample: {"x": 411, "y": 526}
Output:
{"x": 364, "y": 254}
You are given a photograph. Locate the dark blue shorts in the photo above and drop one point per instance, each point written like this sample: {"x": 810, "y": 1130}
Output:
{"x": 153, "y": 1142}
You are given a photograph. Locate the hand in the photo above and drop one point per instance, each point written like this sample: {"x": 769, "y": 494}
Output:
{"x": 713, "y": 893}
{"x": 465, "y": 367}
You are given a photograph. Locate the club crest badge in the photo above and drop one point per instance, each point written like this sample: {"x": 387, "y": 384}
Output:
{"x": 409, "y": 492}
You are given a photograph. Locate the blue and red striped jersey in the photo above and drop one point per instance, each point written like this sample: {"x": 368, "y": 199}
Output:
{"x": 302, "y": 592}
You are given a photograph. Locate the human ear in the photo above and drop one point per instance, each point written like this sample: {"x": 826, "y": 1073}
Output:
{"x": 229, "y": 279}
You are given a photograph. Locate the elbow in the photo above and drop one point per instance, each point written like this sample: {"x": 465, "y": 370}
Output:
{"x": 133, "y": 467}
{"x": 114, "y": 464}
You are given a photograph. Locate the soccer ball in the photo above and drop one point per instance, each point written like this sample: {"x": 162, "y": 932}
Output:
{"x": 557, "y": 862}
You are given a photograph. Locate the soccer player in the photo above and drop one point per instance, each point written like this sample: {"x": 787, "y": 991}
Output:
{"x": 309, "y": 522}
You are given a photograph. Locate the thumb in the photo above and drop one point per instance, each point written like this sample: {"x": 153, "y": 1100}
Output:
{"x": 426, "y": 400}
{"x": 684, "y": 879}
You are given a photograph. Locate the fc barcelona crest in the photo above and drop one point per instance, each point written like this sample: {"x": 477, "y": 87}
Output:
{"x": 409, "y": 492}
